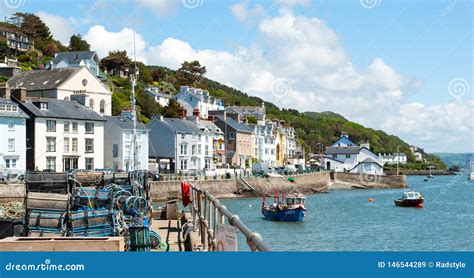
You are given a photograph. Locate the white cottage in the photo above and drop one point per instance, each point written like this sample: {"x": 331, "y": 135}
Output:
{"x": 198, "y": 101}
{"x": 346, "y": 156}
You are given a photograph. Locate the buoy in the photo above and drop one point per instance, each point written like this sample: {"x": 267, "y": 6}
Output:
{"x": 250, "y": 205}
{"x": 420, "y": 205}
{"x": 370, "y": 200}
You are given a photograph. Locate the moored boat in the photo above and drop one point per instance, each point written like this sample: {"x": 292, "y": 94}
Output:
{"x": 410, "y": 199}
{"x": 290, "y": 209}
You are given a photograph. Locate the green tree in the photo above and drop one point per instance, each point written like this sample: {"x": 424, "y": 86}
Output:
{"x": 172, "y": 110}
{"x": 191, "y": 73}
{"x": 76, "y": 43}
{"x": 32, "y": 26}
{"x": 116, "y": 61}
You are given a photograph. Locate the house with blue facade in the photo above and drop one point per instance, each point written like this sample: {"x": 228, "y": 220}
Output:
{"x": 76, "y": 59}
{"x": 118, "y": 146}
{"x": 13, "y": 139}
{"x": 346, "y": 156}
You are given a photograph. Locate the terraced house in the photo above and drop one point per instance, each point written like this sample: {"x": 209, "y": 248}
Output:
{"x": 62, "y": 135}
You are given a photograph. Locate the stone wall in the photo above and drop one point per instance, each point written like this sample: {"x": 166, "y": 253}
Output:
{"x": 160, "y": 190}
{"x": 351, "y": 180}
{"x": 11, "y": 192}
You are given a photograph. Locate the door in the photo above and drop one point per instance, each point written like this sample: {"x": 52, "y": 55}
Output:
{"x": 328, "y": 165}
{"x": 70, "y": 163}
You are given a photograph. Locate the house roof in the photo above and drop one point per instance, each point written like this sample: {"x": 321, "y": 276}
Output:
{"x": 11, "y": 114}
{"x": 158, "y": 94}
{"x": 64, "y": 109}
{"x": 42, "y": 79}
{"x": 256, "y": 111}
{"x": 366, "y": 161}
{"x": 124, "y": 122}
{"x": 210, "y": 126}
{"x": 235, "y": 125}
{"x": 73, "y": 57}
{"x": 342, "y": 150}
{"x": 344, "y": 140}
{"x": 179, "y": 125}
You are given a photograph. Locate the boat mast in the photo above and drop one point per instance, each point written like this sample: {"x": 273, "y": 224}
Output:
{"x": 134, "y": 148}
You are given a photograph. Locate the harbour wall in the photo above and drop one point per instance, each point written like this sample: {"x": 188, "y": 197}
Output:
{"x": 11, "y": 192}
{"x": 305, "y": 183}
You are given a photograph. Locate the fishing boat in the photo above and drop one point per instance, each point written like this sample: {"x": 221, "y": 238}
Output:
{"x": 410, "y": 199}
{"x": 291, "y": 208}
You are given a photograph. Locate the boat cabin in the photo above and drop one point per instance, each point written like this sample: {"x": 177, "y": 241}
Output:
{"x": 295, "y": 200}
{"x": 412, "y": 195}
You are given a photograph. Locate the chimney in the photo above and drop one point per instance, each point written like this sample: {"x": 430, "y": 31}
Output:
{"x": 161, "y": 118}
{"x": 182, "y": 113}
{"x": 365, "y": 144}
{"x": 211, "y": 118}
{"x": 196, "y": 112}
{"x": 225, "y": 115}
{"x": 19, "y": 94}
{"x": 5, "y": 91}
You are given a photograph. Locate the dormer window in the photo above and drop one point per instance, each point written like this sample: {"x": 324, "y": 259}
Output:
{"x": 43, "y": 105}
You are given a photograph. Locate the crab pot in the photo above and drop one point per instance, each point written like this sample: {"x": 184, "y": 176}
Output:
{"x": 92, "y": 197}
{"x": 10, "y": 227}
{"x": 93, "y": 231}
{"x": 47, "y": 201}
{"x": 46, "y": 233}
{"x": 46, "y": 219}
{"x": 139, "y": 238}
{"x": 86, "y": 219}
{"x": 47, "y": 182}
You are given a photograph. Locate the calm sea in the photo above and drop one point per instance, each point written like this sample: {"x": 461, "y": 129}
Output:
{"x": 344, "y": 220}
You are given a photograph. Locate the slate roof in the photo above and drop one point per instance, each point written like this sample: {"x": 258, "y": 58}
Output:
{"x": 210, "y": 126}
{"x": 12, "y": 114}
{"x": 42, "y": 79}
{"x": 256, "y": 111}
{"x": 159, "y": 94}
{"x": 179, "y": 125}
{"x": 63, "y": 109}
{"x": 342, "y": 150}
{"x": 73, "y": 57}
{"x": 124, "y": 122}
{"x": 235, "y": 125}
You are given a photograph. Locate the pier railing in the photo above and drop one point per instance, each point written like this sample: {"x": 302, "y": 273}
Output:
{"x": 208, "y": 212}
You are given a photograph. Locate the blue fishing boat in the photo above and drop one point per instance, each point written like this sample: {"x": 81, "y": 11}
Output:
{"x": 290, "y": 209}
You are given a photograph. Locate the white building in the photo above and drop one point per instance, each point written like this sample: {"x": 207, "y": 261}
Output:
{"x": 346, "y": 156}
{"x": 76, "y": 59}
{"x": 264, "y": 147}
{"x": 180, "y": 146}
{"x": 198, "y": 101}
{"x": 13, "y": 139}
{"x": 388, "y": 158}
{"x": 118, "y": 140}
{"x": 66, "y": 84}
{"x": 162, "y": 99}
{"x": 63, "y": 135}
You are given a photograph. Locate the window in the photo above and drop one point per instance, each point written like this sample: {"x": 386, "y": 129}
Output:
{"x": 11, "y": 125}
{"x": 89, "y": 163}
{"x": 115, "y": 150}
{"x": 11, "y": 144}
{"x": 199, "y": 149}
{"x": 50, "y": 126}
{"x": 89, "y": 128}
{"x": 184, "y": 149}
{"x": 74, "y": 127}
{"x": 50, "y": 144}
{"x": 51, "y": 163}
{"x": 207, "y": 163}
{"x": 89, "y": 145}
{"x": 10, "y": 163}
{"x": 232, "y": 135}
{"x": 334, "y": 156}
{"x": 183, "y": 136}
{"x": 91, "y": 103}
{"x": 74, "y": 145}
{"x": 348, "y": 156}
{"x": 66, "y": 145}
{"x": 206, "y": 150}
{"x": 193, "y": 150}
{"x": 184, "y": 165}
{"x": 44, "y": 106}
{"x": 199, "y": 137}
{"x": 102, "y": 106}
{"x": 66, "y": 127}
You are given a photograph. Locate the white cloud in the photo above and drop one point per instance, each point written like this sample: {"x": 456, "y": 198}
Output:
{"x": 300, "y": 63}
{"x": 61, "y": 28}
{"x": 244, "y": 13}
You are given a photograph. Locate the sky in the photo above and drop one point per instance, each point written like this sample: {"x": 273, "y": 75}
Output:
{"x": 403, "y": 66}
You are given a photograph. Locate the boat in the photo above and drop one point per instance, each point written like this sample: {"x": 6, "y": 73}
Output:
{"x": 290, "y": 209}
{"x": 410, "y": 199}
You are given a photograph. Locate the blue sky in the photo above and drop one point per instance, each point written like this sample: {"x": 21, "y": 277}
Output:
{"x": 426, "y": 44}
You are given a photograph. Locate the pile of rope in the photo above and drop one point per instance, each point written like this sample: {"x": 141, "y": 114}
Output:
{"x": 12, "y": 210}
